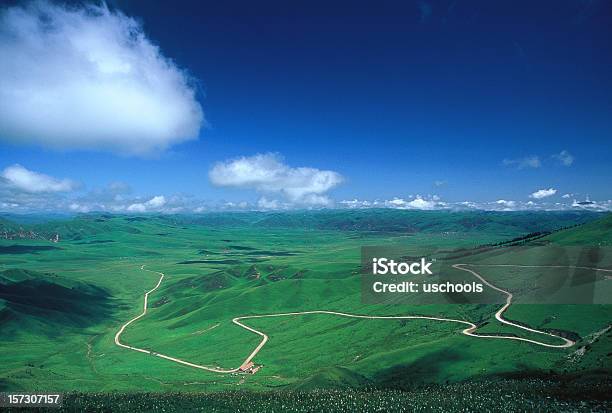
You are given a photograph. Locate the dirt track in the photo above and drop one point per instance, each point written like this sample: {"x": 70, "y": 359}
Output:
{"x": 469, "y": 331}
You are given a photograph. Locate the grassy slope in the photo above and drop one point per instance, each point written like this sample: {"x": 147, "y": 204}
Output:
{"x": 598, "y": 232}
{"x": 252, "y": 266}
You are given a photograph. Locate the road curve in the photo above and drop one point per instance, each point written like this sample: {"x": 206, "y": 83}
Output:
{"x": 142, "y": 350}
{"x": 469, "y": 331}
{"x": 501, "y": 319}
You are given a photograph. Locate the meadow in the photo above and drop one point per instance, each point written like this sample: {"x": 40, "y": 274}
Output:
{"x": 61, "y": 303}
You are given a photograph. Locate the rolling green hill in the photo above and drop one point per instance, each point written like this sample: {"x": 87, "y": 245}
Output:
{"x": 386, "y": 220}
{"x": 370, "y": 220}
{"x": 598, "y": 232}
{"x": 61, "y": 303}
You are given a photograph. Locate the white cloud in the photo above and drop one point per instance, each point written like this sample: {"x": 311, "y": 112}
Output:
{"x": 507, "y": 204}
{"x": 265, "y": 203}
{"x": 469, "y": 204}
{"x": 543, "y": 193}
{"x": 154, "y": 203}
{"x": 267, "y": 173}
{"x": 18, "y": 177}
{"x": 236, "y": 205}
{"x": 564, "y": 157}
{"x": 522, "y": 163}
{"x": 420, "y": 203}
{"x": 417, "y": 203}
{"x": 566, "y": 196}
{"x": 355, "y": 203}
{"x": 89, "y": 78}
{"x": 316, "y": 200}
{"x": 137, "y": 207}
{"x": 499, "y": 205}
{"x": 593, "y": 205}
{"x": 397, "y": 203}
{"x": 76, "y": 207}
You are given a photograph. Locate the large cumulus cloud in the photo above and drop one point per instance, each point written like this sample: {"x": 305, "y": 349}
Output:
{"x": 88, "y": 78}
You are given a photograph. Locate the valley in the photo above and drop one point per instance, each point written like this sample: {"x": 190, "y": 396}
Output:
{"x": 283, "y": 292}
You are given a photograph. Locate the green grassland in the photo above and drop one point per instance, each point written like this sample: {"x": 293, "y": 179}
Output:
{"x": 61, "y": 303}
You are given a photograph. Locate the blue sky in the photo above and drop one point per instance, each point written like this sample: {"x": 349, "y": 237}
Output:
{"x": 445, "y": 100}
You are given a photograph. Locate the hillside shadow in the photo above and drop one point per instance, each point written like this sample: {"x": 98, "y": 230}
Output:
{"x": 44, "y": 306}
{"x": 26, "y": 249}
{"x": 426, "y": 369}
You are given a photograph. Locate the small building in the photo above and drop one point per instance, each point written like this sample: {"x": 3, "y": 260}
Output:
{"x": 246, "y": 366}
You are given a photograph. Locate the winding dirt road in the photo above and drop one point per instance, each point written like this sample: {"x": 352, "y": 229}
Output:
{"x": 469, "y": 331}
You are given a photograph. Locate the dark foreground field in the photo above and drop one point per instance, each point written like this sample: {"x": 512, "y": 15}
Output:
{"x": 509, "y": 395}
